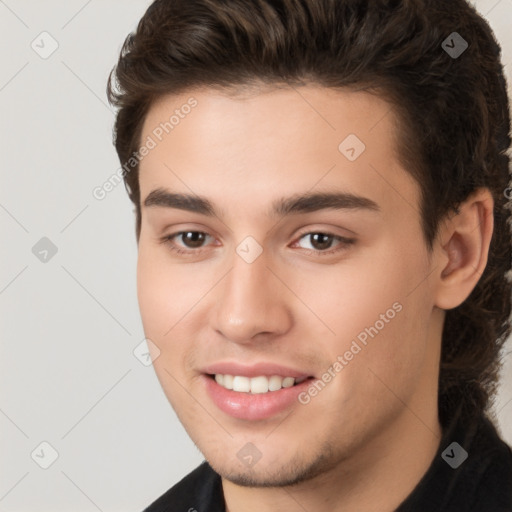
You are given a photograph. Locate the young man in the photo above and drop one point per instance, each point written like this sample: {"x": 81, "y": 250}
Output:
{"x": 319, "y": 188}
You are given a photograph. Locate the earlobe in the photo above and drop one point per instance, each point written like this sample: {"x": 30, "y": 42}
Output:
{"x": 462, "y": 249}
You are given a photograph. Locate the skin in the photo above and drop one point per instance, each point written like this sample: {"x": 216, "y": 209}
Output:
{"x": 368, "y": 437}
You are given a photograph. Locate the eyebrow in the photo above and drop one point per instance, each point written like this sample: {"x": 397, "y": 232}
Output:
{"x": 296, "y": 204}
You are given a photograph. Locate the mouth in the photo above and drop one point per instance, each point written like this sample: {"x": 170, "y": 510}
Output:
{"x": 256, "y": 385}
{"x": 260, "y": 397}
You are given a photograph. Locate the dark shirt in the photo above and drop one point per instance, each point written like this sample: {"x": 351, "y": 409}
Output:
{"x": 480, "y": 483}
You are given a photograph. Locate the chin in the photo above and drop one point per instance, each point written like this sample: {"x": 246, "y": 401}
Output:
{"x": 276, "y": 474}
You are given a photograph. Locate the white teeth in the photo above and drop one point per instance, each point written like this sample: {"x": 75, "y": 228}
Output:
{"x": 288, "y": 382}
{"x": 227, "y": 381}
{"x": 256, "y": 385}
{"x": 242, "y": 384}
{"x": 259, "y": 385}
{"x": 275, "y": 383}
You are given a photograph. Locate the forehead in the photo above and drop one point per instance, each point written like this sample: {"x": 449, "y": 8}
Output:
{"x": 302, "y": 110}
{"x": 258, "y": 144}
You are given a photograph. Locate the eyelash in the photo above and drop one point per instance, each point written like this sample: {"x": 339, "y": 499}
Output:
{"x": 344, "y": 242}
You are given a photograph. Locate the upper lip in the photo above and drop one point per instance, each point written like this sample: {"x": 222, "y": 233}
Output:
{"x": 253, "y": 370}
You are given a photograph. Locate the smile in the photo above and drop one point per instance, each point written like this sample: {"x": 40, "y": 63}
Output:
{"x": 256, "y": 385}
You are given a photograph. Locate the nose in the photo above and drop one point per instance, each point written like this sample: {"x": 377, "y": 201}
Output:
{"x": 251, "y": 303}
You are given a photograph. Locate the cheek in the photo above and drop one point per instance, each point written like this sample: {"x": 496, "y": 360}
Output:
{"x": 161, "y": 304}
{"x": 165, "y": 292}
{"x": 352, "y": 297}
{"x": 377, "y": 308}
{"x": 168, "y": 297}
{"x": 391, "y": 363}
{"x": 152, "y": 293}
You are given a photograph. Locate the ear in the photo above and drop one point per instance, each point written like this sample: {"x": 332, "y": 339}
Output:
{"x": 461, "y": 249}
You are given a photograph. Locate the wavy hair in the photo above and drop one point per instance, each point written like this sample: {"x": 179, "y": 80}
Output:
{"x": 454, "y": 119}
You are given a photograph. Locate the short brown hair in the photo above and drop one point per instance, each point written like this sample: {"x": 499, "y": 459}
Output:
{"x": 453, "y": 111}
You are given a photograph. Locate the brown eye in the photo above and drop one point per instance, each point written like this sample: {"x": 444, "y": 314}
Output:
{"x": 191, "y": 242}
{"x": 192, "y": 239}
{"x": 321, "y": 242}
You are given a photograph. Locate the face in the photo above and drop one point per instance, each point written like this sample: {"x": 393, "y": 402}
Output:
{"x": 296, "y": 262}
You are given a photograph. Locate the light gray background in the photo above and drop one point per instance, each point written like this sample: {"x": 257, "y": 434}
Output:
{"x": 70, "y": 325}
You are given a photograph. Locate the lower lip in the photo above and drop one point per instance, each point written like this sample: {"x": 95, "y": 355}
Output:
{"x": 249, "y": 406}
